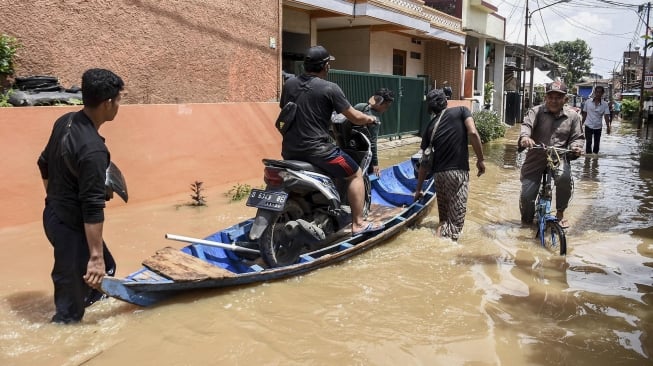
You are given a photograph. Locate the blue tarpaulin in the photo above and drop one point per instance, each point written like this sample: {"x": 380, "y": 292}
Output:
{"x": 584, "y": 91}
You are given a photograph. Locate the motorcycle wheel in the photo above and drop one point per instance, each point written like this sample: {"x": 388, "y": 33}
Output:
{"x": 277, "y": 248}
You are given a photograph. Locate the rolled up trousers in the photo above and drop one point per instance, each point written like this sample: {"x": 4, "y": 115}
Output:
{"x": 530, "y": 187}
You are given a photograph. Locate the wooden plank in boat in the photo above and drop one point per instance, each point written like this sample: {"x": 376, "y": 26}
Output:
{"x": 378, "y": 213}
{"x": 179, "y": 266}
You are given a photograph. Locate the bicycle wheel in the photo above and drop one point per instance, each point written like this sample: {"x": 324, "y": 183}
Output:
{"x": 554, "y": 237}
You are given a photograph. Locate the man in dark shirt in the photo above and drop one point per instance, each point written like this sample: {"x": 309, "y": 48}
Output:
{"x": 73, "y": 166}
{"x": 378, "y": 104}
{"x": 308, "y": 138}
{"x": 451, "y": 165}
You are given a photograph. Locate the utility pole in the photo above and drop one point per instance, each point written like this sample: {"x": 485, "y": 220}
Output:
{"x": 641, "y": 87}
{"x": 628, "y": 70}
{"x": 527, "y": 24}
{"x": 524, "y": 62}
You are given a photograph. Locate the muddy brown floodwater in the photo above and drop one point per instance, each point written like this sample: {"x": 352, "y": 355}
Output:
{"x": 493, "y": 298}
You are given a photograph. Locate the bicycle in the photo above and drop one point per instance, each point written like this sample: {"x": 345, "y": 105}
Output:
{"x": 551, "y": 233}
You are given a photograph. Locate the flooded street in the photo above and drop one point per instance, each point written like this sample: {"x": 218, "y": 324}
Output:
{"x": 493, "y": 298}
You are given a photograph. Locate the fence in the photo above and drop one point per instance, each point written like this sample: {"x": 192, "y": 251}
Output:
{"x": 407, "y": 115}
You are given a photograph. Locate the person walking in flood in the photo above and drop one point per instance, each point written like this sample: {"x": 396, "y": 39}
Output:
{"x": 595, "y": 111}
{"x": 73, "y": 167}
{"x": 449, "y": 133}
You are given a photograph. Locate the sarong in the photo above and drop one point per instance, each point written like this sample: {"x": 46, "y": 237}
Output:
{"x": 452, "y": 189}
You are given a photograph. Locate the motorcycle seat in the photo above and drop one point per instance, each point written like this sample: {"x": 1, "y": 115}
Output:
{"x": 293, "y": 164}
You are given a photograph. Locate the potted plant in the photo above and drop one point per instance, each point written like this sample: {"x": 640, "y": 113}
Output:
{"x": 8, "y": 47}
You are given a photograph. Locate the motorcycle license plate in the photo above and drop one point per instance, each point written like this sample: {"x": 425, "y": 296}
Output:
{"x": 274, "y": 201}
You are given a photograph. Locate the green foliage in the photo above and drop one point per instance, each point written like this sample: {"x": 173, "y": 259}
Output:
{"x": 4, "y": 99}
{"x": 238, "y": 192}
{"x": 575, "y": 55}
{"x": 70, "y": 101}
{"x": 8, "y": 47}
{"x": 488, "y": 90}
{"x": 629, "y": 108}
{"x": 198, "y": 198}
{"x": 489, "y": 125}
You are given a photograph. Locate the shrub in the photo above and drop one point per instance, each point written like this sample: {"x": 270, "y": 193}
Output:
{"x": 198, "y": 193}
{"x": 629, "y": 108}
{"x": 8, "y": 47}
{"x": 238, "y": 192}
{"x": 4, "y": 98}
{"x": 489, "y": 125}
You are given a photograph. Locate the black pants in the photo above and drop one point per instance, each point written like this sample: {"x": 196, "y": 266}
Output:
{"x": 595, "y": 134}
{"x": 71, "y": 293}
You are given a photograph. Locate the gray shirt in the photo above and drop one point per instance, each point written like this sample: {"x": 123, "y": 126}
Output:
{"x": 562, "y": 130}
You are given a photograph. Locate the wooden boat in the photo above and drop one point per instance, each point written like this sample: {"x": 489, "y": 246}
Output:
{"x": 220, "y": 261}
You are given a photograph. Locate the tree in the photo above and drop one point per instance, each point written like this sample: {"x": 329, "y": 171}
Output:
{"x": 575, "y": 55}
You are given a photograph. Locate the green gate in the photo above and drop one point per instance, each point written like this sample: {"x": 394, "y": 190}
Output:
{"x": 407, "y": 114}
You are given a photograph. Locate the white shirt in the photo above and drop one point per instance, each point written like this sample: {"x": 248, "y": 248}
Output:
{"x": 595, "y": 113}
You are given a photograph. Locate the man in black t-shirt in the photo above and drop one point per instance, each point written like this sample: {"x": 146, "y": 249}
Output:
{"x": 451, "y": 165}
{"x": 308, "y": 138}
{"x": 73, "y": 166}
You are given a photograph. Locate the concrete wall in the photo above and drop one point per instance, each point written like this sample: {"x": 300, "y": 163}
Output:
{"x": 161, "y": 150}
{"x": 197, "y": 51}
{"x": 350, "y": 47}
{"x": 382, "y": 46}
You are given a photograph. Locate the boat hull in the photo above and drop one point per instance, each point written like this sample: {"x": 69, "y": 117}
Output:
{"x": 199, "y": 266}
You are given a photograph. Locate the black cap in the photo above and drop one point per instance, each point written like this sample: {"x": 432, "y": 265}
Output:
{"x": 317, "y": 55}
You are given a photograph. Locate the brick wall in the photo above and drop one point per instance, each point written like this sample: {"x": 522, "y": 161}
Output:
{"x": 444, "y": 64}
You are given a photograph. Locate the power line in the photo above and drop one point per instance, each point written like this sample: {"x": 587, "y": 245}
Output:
{"x": 548, "y": 41}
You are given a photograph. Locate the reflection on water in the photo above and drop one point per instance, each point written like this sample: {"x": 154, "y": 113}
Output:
{"x": 590, "y": 168}
{"x": 493, "y": 298}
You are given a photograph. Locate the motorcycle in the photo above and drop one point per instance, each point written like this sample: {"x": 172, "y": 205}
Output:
{"x": 301, "y": 206}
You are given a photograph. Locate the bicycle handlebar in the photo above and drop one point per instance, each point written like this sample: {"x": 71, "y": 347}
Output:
{"x": 557, "y": 149}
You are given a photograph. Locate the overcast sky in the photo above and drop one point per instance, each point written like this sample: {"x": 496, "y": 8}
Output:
{"x": 607, "y": 26}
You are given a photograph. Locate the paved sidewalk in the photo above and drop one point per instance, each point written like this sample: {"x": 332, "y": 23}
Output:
{"x": 385, "y": 143}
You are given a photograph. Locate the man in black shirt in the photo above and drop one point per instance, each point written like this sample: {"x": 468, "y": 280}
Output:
{"x": 308, "y": 138}
{"x": 73, "y": 166}
{"x": 454, "y": 127}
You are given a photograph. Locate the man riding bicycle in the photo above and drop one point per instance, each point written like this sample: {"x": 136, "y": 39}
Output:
{"x": 551, "y": 124}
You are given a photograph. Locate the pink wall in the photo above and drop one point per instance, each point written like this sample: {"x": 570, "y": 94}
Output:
{"x": 161, "y": 149}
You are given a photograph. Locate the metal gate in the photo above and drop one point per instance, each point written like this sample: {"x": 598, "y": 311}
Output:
{"x": 407, "y": 115}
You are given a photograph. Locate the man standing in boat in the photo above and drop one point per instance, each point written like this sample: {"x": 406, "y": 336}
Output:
{"x": 308, "y": 138}
{"x": 378, "y": 104}
{"x": 74, "y": 166}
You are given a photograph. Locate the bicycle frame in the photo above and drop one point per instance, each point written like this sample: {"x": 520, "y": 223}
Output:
{"x": 543, "y": 205}
{"x": 546, "y": 220}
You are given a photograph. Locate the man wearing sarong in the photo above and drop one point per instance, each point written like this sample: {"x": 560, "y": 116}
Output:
{"x": 456, "y": 128}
